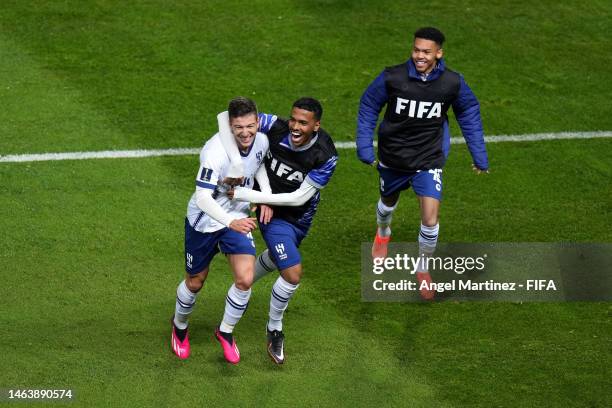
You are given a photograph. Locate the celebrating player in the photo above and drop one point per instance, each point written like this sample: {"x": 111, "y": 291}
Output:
{"x": 301, "y": 161}
{"x": 214, "y": 223}
{"x": 414, "y": 139}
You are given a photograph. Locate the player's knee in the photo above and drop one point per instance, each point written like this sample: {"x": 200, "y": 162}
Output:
{"x": 430, "y": 220}
{"x": 243, "y": 278}
{"x": 244, "y": 282}
{"x": 195, "y": 282}
{"x": 391, "y": 200}
{"x": 293, "y": 274}
{"x": 194, "y": 285}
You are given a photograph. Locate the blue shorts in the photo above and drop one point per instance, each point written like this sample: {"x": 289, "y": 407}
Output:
{"x": 283, "y": 240}
{"x": 425, "y": 183}
{"x": 200, "y": 247}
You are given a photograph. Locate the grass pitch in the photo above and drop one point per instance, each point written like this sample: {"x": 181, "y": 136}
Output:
{"x": 91, "y": 251}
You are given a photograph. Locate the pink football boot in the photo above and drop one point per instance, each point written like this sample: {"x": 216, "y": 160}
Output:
{"x": 228, "y": 344}
{"x": 180, "y": 348}
{"x": 379, "y": 248}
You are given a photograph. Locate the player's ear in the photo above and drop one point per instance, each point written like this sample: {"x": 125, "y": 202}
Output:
{"x": 317, "y": 125}
{"x": 440, "y": 53}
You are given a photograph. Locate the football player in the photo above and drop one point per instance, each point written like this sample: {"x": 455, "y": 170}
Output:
{"x": 215, "y": 223}
{"x": 300, "y": 162}
{"x": 413, "y": 138}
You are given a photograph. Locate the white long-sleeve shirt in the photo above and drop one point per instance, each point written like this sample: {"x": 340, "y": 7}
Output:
{"x": 209, "y": 208}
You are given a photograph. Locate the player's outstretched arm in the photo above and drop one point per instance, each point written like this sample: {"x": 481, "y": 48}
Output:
{"x": 467, "y": 112}
{"x": 372, "y": 102}
{"x": 236, "y": 170}
{"x": 293, "y": 199}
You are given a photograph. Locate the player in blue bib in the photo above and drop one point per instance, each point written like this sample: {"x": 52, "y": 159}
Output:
{"x": 300, "y": 162}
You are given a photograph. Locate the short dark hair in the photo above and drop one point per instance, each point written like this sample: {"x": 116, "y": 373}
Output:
{"x": 430, "y": 33}
{"x": 241, "y": 106}
{"x": 311, "y": 105}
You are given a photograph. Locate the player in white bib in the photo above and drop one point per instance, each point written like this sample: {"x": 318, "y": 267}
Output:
{"x": 216, "y": 224}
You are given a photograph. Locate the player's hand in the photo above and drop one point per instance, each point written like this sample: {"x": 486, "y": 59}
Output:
{"x": 232, "y": 182}
{"x": 479, "y": 171}
{"x": 244, "y": 225}
{"x": 265, "y": 213}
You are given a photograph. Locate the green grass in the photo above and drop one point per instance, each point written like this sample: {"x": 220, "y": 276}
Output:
{"x": 93, "y": 75}
{"x": 91, "y": 251}
{"x": 92, "y": 271}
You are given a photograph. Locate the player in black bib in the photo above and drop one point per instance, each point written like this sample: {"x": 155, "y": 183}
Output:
{"x": 413, "y": 137}
{"x": 300, "y": 162}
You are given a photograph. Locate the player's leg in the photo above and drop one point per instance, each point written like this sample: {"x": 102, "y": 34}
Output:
{"x": 200, "y": 248}
{"x": 240, "y": 250}
{"x": 384, "y": 214}
{"x": 239, "y": 293}
{"x": 186, "y": 297}
{"x": 263, "y": 265}
{"x": 428, "y": 235}
{"x": 282, "y": 291}
{"x": 265, "y": 262}
{"x": 428, "y": 187}
{"x": 283, "y": 240}
{"x": 391, "y": 184}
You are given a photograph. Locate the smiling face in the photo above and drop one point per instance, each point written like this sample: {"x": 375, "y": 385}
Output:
{"x": 425, "y": 55}
{"x": 302, "y": 125}
{"x": 244, "y": 129}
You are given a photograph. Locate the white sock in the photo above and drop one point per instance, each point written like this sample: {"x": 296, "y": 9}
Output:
{"x": 263, "y": 265}
{"x": 384, "y": 215}
{"x": 236, "y": 303}
{"x": 428, "y": 239}
{"x": 281, "y": 293}
{"x": 185, "y": 301}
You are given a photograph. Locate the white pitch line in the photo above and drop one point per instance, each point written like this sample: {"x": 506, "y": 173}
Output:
{"x": 122, "y": 154}
{"x": 529, "y": 137}
{"x": 105, "y": 154}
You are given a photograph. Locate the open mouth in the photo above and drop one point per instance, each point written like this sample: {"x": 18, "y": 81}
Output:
{"x": 245, "y": 141}
{"x": 296, "y": 137}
